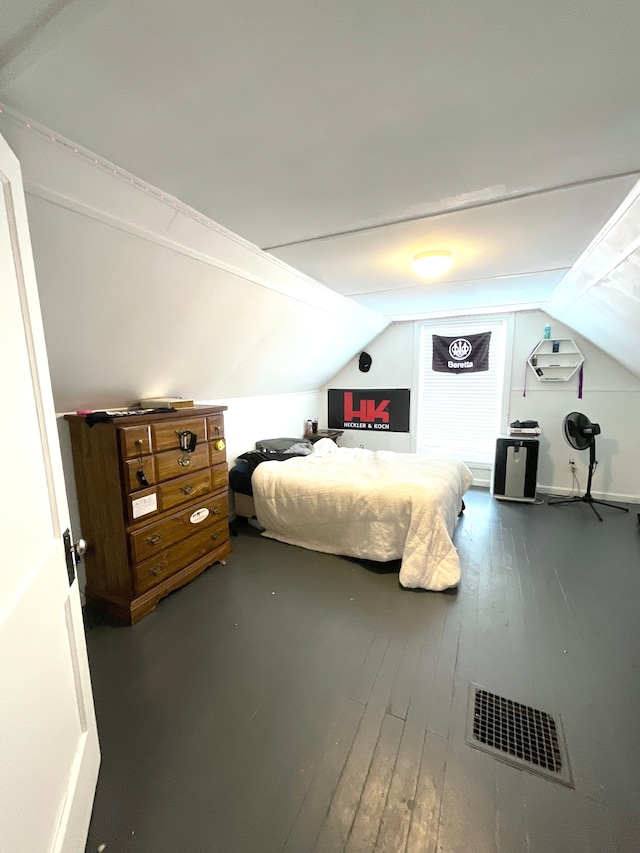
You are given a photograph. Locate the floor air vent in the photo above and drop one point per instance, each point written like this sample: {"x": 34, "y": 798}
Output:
{"x": 518, "y": 734}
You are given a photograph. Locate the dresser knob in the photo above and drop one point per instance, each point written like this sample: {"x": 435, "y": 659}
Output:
{"x": 184, "y": 460}
{"x": 219, "y": 444}
{"x": 216, "y": 510}
{"x": 153, "y": 540}
{"x": 215, "y": 535}
{"x": 186, "y": 490}
{"x": 157, "y": 569}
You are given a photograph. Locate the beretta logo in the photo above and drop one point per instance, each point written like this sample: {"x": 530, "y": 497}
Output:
{"x": 386, "y": 410}
{"x": 460, "y": 350}
{"x": 468, "y": 354}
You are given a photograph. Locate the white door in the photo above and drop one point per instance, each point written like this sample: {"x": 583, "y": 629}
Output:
{"x": 49, "y": 754}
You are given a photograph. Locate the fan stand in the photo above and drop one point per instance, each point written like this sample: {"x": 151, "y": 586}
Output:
{"x": 586, "y": 498}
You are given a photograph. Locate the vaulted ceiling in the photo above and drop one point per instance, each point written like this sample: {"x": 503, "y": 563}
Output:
{"x": 343, "y": 137}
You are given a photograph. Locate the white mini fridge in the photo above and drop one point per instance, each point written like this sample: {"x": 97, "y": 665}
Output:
{"x": 515, "y": 469}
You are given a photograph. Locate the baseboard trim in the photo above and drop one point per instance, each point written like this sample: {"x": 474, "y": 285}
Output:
{"x": 483, "y": 482}
{"x": 602, "y": 496}
{"x": 557, "y": 491}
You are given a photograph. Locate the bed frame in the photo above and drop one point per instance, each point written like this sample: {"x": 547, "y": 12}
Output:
{"x": 244, "y": 505}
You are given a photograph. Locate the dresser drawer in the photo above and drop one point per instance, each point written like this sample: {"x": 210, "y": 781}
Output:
{"x": 142, "y": 504}
{"x": 134, "y": 440}
{"x": 215, "y": 427}
{"x": 176, "y": 463}
{"x": 185, "y": 489}
{"x": 165, "y": 434}
{"x": 176, "y": 557}
{"x": 220, "y": 477}
{"x": 217, "y": 455}
{"x": 160, "y": 535}
{"x": 131, "y": 468}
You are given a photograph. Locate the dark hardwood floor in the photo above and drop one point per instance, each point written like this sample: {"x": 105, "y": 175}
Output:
{"x": 299, "y": 702}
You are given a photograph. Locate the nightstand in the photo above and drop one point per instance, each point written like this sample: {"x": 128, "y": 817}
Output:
{"x": 333, "y": 434}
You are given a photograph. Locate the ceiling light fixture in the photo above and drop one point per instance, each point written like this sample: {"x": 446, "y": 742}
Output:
{"x": 432, "y": 264}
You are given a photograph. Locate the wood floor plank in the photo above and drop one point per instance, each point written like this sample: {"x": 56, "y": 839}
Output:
{"x": 425, "y": 815}
{"x": 371, "y": 666}
{"x": 422, "y": 691}
{"x": 405, "y": 677}
{"x": 442, "y": 691}
{"x": 511, "y": 832}
{"x": 366, "y": 824}
{"x": 341, "y": 814}
{"x": 552, "y": 820}
{"x": 306, "y": 825}
{"x": 541, "y": 648}
{"x": 396, "y": 815}
{"x": 518, "y": 668}
{"x": 467, "y": 820}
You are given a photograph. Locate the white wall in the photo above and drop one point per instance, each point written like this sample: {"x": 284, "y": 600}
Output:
{"x": 392, "y": 366}
{"x": 611, "y": 397}
{"x": 141, "y": 296}
{"x": 250, "y": 419}
{"x": 600, "y": 296}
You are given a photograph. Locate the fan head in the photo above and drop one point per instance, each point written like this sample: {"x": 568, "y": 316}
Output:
{"x": 579, "y": 431}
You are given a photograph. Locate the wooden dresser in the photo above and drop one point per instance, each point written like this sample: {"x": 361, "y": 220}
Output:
{"x": 152, "y": 493}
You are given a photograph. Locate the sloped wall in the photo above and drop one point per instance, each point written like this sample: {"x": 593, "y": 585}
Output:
{"x": 600, "y": 296}
{"x": 141, "y": 296}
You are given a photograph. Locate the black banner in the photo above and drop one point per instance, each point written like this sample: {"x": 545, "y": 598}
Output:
{"x": 383, "y": 411}
{"x": 463, "y": 354}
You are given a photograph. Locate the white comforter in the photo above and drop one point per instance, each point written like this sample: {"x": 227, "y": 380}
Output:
{"x": 375, "y": 505}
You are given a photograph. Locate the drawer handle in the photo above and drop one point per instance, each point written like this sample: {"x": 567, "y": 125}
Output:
{"x": 216, "y": 510}
{"x": 219, "y": 444}
{"x": 215, "y": 536}
{"x": 187, "y": 439}
{"x": 186, "y": 490}
{"x": 184, "y": 461}
{"x": 157, "y": 569}
{"x": 153, "y": 540}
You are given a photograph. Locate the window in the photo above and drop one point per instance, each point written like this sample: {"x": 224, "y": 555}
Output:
{"x": 461, "y": 414}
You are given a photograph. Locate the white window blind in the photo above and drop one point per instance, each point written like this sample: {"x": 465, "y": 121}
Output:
{"x": 460, "y": 414}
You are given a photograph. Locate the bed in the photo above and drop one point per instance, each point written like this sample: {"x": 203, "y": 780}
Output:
{"x": 373, "y": 505}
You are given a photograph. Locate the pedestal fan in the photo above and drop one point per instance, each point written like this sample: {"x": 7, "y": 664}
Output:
{"x": 580, "y": 433}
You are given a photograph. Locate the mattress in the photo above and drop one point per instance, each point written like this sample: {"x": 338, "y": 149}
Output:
{"x": 375, "y": 505}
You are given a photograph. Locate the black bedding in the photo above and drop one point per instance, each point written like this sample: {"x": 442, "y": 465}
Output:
{"x": 254, "y": 457}
{"x": 268, "y": 450}
{"x": 246, "y": 464}
{"x": 240, "y": 478}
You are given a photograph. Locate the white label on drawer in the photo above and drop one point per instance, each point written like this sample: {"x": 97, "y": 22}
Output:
{"x": 199, "y": 515}
{"x": 145, "y": 505}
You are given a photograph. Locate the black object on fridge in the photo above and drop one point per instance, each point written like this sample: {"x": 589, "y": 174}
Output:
{"x": 515, "y": 469}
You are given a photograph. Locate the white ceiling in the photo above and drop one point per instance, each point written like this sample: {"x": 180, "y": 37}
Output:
{"x": 346, "y": 136}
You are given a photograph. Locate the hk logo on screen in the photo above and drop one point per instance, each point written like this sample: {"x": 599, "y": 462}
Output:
{"x": 370, "y": 414}
{"x": 383, "y": 409}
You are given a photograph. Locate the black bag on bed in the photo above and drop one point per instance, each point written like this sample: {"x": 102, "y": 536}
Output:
{"x": 292, "y": 446}
{"x": 253, "y": 458}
